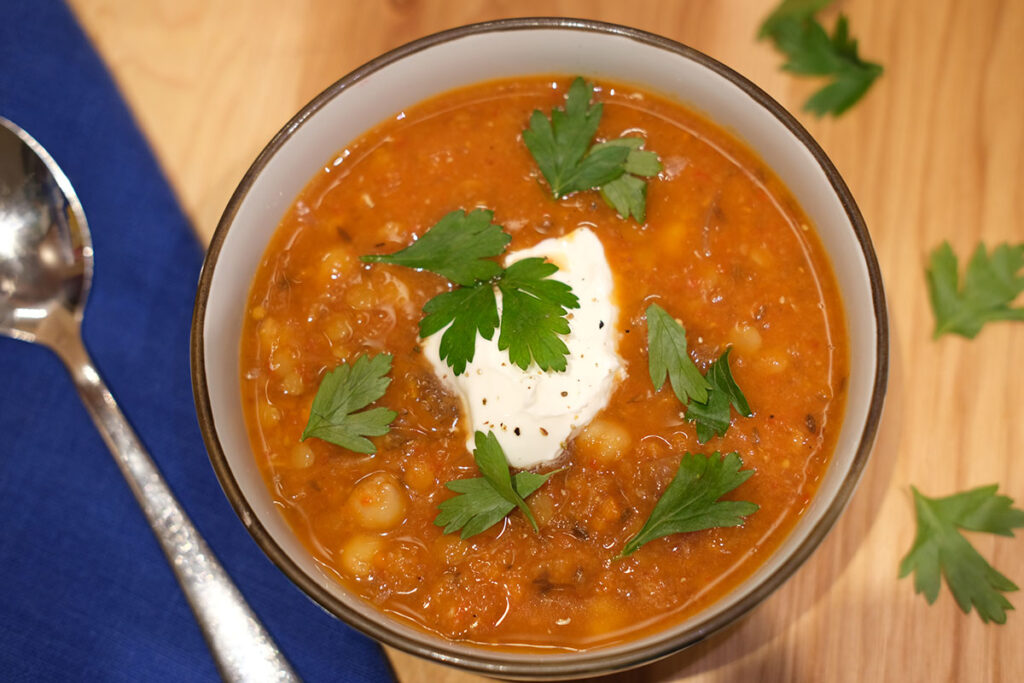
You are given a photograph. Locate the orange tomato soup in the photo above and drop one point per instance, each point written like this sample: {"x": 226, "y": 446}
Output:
{"x": 725, "y": 249}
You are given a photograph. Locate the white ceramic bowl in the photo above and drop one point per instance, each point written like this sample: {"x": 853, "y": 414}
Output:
{"x": 482, "y": 52}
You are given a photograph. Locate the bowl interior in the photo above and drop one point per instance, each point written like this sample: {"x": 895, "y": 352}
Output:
{"x": 415, "y": 72}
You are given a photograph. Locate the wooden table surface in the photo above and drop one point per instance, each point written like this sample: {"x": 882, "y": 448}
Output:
{"x": 935, "y": 151}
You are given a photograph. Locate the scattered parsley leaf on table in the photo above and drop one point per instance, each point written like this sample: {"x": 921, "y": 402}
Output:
{"x": 666, "y": 355}
{"x": 533, "y": 310}
{"x": 810, "y": 51}
{"x": 939, "y": 549}
{"x": 534, "y": 307}
{"x": 788, "y": 10}
{"x": 457, "y": 247}
{"x": 561, "y": 147}
{"x": 484, "y": 501}
{"x": 343, "y": 391}
{"x": 690, "y": 503}
{"x": 990, "y": 285}
{"x": 712, "y": 416}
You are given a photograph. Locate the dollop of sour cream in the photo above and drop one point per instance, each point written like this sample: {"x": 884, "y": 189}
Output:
{"x": 535, "y": 413}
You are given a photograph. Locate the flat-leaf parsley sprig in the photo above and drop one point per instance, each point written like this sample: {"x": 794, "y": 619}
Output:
{"x": 484, "y": 501}
{"x": 691, "y": 501}
{"x": 708, "y": 397}
{"x": 991, "y": 283}
{"x": 712, "y": 417}
{"x": 562, "y": 148}
{"x": 534, "y": 306}
{"x": 459, "y": 247}
{"x": 667, "y": 355}
{"x": 941, "y": 550}
{"x": 810, "y": 51}
{"x": 345, "y": 390}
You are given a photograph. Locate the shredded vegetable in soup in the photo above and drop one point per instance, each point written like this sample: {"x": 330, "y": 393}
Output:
{"x": 543, "y": 363}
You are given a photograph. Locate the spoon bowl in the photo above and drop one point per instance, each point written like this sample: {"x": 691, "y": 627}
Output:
{"x": 46, "y": 262}
{"x": 45, "y": 247}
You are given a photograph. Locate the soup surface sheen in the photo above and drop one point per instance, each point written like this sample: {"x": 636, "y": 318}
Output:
{"x": 725, "y": 250}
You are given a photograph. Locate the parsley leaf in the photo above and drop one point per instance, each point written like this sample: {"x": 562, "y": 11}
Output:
{"x": 641, "y": 162}
{"x": 790, "y": 9}
{"x": 490, "y": 459}
{"x": 559, "y": 146}
{"x": 707, "y": 397}
{"x": 666, "y": 355}
{"x": 457, "y": 247}
{"x": 712, "y": 416}
{"x": 627, "y": 194}
{"x": 466, "y": 311}
{"x": 484, "y": 501}
{"x": 533, "y": 306}
{"x": 690, "y": 503}
{"x": 533, "y": 310}
{"x": 345, "y": 390}
{"x": 990, "y": 285}
{"x": 939, "y": 548}
{"x": 810, "y": 51}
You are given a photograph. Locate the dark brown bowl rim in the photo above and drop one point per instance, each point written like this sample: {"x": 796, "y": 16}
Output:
{"x": 517, "y": 665}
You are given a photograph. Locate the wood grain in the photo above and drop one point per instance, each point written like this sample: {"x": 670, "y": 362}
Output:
{"x": 936, "y": 151}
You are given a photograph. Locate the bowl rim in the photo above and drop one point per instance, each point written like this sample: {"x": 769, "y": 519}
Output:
{"x": 496, "y": 662}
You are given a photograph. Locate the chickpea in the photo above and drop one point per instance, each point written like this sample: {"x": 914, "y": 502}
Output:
{"x": 282, "y": 360}
{"x": 269, "y": 328}
{"x": 337, "y": 263}
{"x": 772, "y": 363}
{"x": 302, "y": 456}
{"x": 378, "y": 502}
{"x": 746, "y": 339}
{"x": 269, "y": 415}
{"x": 607, "y": 512}
{"x": 392, "y": 290}
{"x": 543, "y": 508}
{"x": 419, "y": 475}
{"x": 338, "y": 329}
{"x": 604, "y": 440}
{"x": 284, "y": 352}
{"x": 361, "y": 296}
{"x": 293, "y": 384}
{"x": 357, "y": 554}
{"x": 452, "y": 549}
{"x": 562, "y": 569}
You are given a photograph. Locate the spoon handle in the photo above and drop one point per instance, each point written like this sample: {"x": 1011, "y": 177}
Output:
{"x": 242, "y": 648}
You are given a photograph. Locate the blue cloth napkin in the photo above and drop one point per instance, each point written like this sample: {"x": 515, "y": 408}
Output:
{"x": 85, "y": 592}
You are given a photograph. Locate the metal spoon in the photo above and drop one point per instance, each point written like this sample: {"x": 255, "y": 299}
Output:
{"x": 45, "y": 269}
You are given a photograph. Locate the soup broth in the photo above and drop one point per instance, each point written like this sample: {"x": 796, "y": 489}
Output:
{"x": 724, "y": 249}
